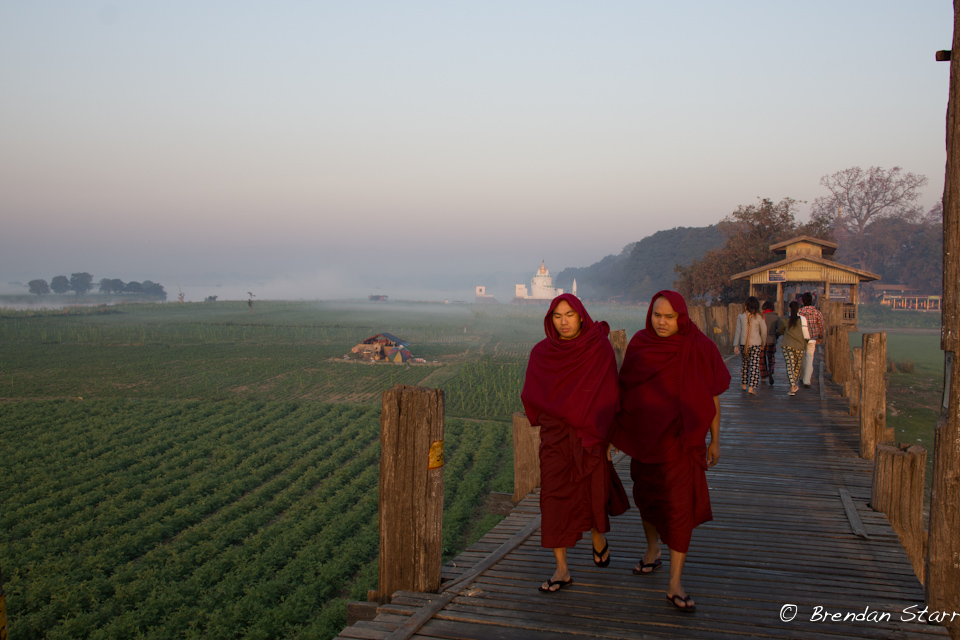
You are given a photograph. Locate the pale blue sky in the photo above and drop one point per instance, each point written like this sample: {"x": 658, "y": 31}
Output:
{"x": 330, "y": 148}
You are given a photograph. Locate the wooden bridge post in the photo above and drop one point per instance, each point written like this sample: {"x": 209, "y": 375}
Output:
{"x": 842, "y": 364}
{"x": 873, "y": 393}
{"x": 943, "y": 559}
{"x": 618, "y": 339}
{"x": 856, "y": 362}
{"x": 411, "y": 490}
{"x": 828, "y": 347}
{"x": 698, "y": 315}
{"x": 733, "y": 311}
{"x": 526, "y": 456}
{"x": 899, "y": 474}
{"x": 828, "y": 350}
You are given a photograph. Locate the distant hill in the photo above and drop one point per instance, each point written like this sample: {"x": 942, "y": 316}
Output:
{"x": 643, "y": 267}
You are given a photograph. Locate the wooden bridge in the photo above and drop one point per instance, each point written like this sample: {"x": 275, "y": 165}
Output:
{"x": 794, "y": 550}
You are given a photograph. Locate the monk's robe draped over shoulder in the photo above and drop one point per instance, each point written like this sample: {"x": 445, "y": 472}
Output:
{"x": 573, "y": 380}
{"x": 667, "y": 386}
{"x": 571, "y": 391}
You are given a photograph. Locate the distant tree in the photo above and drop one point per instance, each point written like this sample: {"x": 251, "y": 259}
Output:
{"x": 111, "y": 285}
{"x": 39, "y": 287}
{"x": 749, "y": 232}
{"x": 60, "y": 284}
{"x": 923, "y": 264}
{"x": 154, "y": 289}
{"x": 859, "y": 199}
{"x": 908, "y": 252}
{"x": 133, "y": 287}
{"x": 81, "y": 282}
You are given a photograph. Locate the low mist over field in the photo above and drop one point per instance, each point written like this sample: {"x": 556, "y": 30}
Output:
{"x": 416, "y": 285}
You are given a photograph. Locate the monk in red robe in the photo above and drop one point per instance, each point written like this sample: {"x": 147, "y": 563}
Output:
{"x": 571, "y": 391}
{"x": 670, "y": 383}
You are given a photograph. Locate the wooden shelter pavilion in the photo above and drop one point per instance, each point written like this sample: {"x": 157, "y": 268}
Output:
{"x": 805, "y": 267}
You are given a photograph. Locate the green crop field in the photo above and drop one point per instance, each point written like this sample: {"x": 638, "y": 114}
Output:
{"x": 198, "y": 471}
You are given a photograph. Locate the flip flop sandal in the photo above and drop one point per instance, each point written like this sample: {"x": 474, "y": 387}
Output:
{"x": 652, "y": 565}
{"x": 597, "y": 555}
{"x": 686, "y": 607}
{"x": 554, "y": 583}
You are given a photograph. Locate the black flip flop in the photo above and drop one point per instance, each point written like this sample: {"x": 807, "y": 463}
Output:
{"x": 687, "y": 607}
{"x": 552, "y": 583}
{"x": 653, "y": 567}
{"x": 597, "y": 555}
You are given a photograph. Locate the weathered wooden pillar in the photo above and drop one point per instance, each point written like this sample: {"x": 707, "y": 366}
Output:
{"x": 842, "y": 366}
{"x": 828, "y": 350}
{"x": 717, "y": 328}
{"x": 526, "y": 456}
{"x": 898, "y": 484}
{"x": 733, "y": 311}
{"x": 873, "y": 393}
{"x": 853, "y": 385}
{"x": 828, "y": 309}
{"x": 411, "y": 490}
{"x": 618, "y": 339}
{"x": 698, "y": 315}
{"x": 943, "y": 559}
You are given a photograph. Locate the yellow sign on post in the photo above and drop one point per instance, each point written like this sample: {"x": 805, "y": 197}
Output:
{"x": 436, "y": 455}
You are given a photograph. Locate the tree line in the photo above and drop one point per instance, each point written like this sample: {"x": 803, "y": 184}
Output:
{"x": 873, "y": 215}
{"x": 82, "y": 282}
{"x": 643, "y": 267}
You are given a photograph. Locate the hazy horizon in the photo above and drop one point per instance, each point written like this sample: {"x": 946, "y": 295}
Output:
{"x": 424, "y": 148}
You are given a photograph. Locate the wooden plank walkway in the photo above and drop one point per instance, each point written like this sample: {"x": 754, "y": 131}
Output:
{"x": 780, "y": 536}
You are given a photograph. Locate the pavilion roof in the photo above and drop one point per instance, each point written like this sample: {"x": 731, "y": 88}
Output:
{"x": 864, "y": 276}
{"x": 828, "y": 247}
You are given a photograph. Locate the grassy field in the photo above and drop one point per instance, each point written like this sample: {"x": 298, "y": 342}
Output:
{"x": 195, "y": 470}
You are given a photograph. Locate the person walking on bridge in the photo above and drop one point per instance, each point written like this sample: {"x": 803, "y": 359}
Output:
{"x": 670, "y": 385}
{"x": 795, "y": 338}
{"x": 817, "y": 333}
{"x": 768, "y": 358}
{"x": 749, "y": 341}
{"x": 571, "y": 391}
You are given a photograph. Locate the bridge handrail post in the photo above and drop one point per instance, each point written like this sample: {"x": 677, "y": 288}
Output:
{"x": 899, "y": 474}
{"x": 526, "y": 456}
{"x": 873, "y": 393}
{"x": 411, "y": 490}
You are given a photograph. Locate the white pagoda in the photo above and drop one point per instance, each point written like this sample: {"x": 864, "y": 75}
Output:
{"x": 541, "y": 287}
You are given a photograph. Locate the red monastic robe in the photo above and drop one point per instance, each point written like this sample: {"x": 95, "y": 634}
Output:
{"x": 571, "y": 391}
